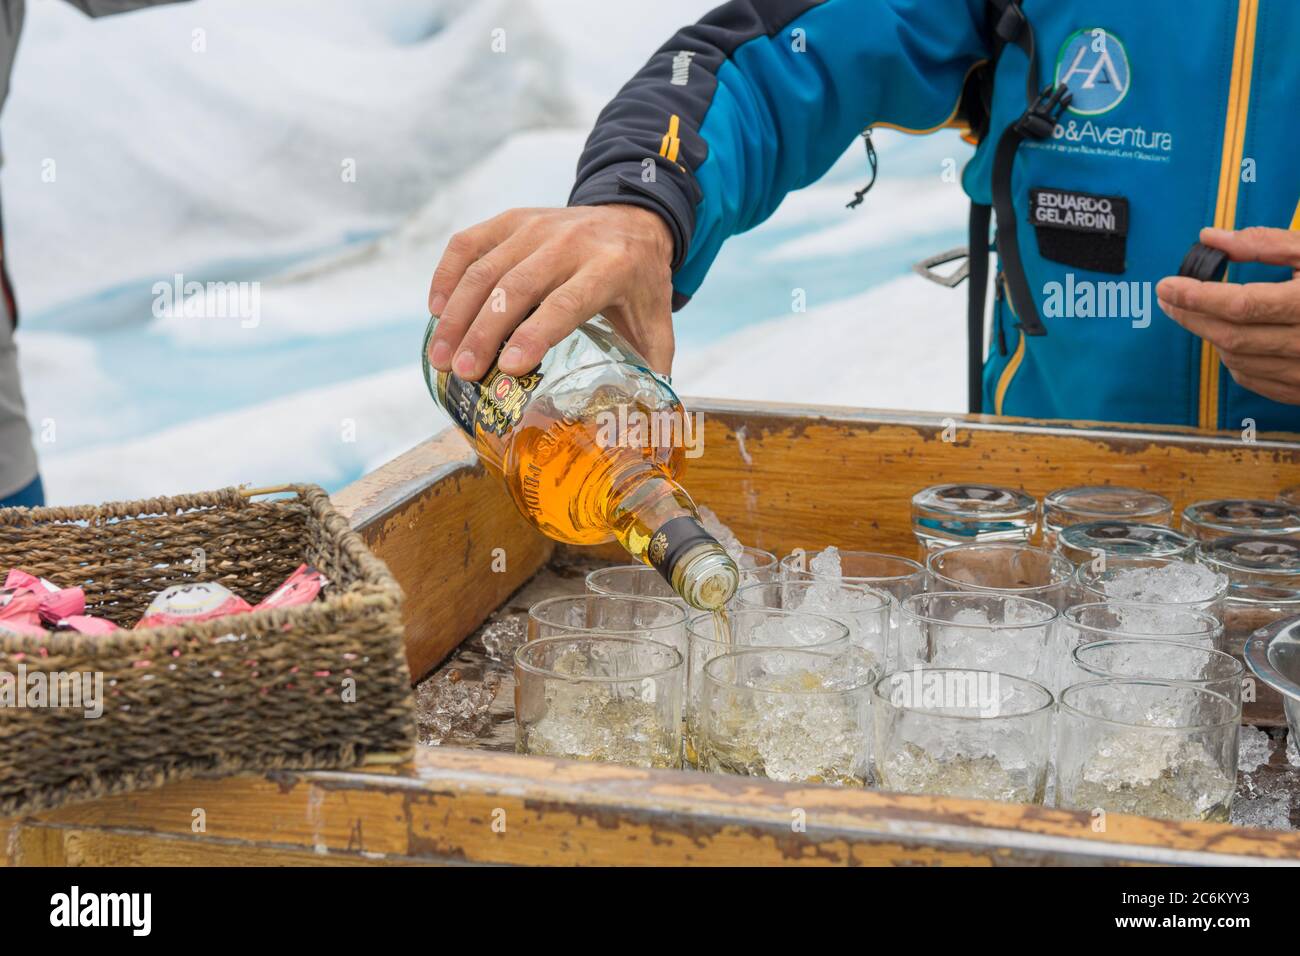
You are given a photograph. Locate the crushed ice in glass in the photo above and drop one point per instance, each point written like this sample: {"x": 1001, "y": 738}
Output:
{"x": 723, "y": 535}
{"x": 1178, "y": 582}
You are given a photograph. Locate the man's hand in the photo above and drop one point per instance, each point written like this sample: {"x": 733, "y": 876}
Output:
{"x": 1256, "y": 325}
{"x": 571, "y": 264}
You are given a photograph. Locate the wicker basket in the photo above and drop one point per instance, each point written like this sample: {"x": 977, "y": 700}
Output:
{"x": 311, "y": 687}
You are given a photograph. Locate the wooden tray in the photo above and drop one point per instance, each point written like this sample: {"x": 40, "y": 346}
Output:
{"x": 782, "y": 477}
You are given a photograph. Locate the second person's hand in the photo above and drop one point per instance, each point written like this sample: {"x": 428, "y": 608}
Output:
{"x": 571, "y": 264}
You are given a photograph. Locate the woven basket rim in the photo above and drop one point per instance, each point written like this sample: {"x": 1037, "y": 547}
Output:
{"x": 376, "y": 588}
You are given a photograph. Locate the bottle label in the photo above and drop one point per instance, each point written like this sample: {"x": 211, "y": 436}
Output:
{"x": 671, "y": 541}
{"x": 494, "y": 403}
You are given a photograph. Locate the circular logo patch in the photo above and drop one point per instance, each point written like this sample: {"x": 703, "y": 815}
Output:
{"x": 1094, "y": 65}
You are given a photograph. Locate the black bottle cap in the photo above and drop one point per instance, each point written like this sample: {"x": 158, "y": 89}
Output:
{"x": 1204, "y": 263}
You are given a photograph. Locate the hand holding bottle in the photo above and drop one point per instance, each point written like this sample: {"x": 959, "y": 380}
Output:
{"x": 571, "y": 264}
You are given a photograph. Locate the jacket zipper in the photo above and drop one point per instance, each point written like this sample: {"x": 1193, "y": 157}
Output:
{"x": 1225, "y": 210}
{"x": 1013, "y": 364}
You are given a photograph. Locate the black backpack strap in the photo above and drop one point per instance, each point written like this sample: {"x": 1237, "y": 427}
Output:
{"x": 1010, "y": 26}
{"x": 977, "y": 245}
{"x": 1037, "y": 122}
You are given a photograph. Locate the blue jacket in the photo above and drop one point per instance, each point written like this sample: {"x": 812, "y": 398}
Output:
{"x": 1184, "y": 114}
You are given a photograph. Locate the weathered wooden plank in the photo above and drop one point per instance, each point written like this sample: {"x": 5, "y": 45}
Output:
{"x": 456, "y": 805}
{"x": 40, "y": 845}
{"x": 785, "y": 477}
{"x": 452, "y": 538}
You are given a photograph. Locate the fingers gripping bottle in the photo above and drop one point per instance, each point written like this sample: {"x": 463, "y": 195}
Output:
{"x": 590, "y": 444}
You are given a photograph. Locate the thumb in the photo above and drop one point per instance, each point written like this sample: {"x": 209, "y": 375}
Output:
{"x": 650, "y": 332}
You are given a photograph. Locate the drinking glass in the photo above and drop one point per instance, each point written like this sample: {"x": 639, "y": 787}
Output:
{"x": 944, "y": 515}
{"x": 634, "y": 580}
{"x": 865, "y": 611}
{"x": 647, "y": 618}
{"x": 1100, "y": 621}
{"x": 711, "y": 635}
{"x": 758, "y": 566}
{"x": 1143, "y": 582}
{"x": 1004, "y": 568}
{"x": 963, "y": 733}
{"x": 1083, "y": 542}
{"x": 1156, "y": 748}
{"x": 600, "y": 698}
{"x": 1085, "y": 503}
{"x": 899, "y": 577}
{"x": 799, "y": 716}
{"x": 1264, "y": 581}
{"x": 1157, "y": 659}
{"x": 980, "y": 630}
{"x": 1227, "y": 517}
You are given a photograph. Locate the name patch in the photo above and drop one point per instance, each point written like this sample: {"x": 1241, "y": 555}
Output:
{"x": 1080, "y": 229}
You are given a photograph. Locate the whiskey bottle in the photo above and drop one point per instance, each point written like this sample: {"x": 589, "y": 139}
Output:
{"x": 590, "y": 445}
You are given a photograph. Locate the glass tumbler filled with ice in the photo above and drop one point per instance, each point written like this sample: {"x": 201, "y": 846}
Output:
{"x": 958, "y": 732}
{"x": 1157, "y": 659}
{"x": 863, "y": 610}
{"x": 984, "y": 631}
{"x": 1144, "y": 582}
{"x": 1155, "y": 748}
{"x": 1004, "y": 567}
{"x": 651, "y": 619}
{"x": 1101, "y": 621}
{"x": 799, "y": 716}
{"x": 710, "y": 636}
{"x": 896, "y": 576}
{"x": 600, "y": 698}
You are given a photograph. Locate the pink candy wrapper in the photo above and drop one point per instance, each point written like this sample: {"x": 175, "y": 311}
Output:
{"x": 55, "y": 603}
{"x": 85, "y": 624}
{"x": 301, "y": 587}
{"x": 20, "y": 611}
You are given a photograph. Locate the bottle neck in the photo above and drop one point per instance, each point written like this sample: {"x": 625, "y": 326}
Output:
{"x": 656, "y": 521}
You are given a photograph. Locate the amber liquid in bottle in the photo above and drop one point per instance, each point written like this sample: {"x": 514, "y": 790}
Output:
{"x": 590, "y": 445}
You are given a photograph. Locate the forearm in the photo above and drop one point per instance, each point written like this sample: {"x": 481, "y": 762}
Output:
{"x": 759, "y": 99}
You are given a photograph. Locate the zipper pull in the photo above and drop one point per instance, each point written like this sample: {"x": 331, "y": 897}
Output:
{"x": 873, "y": 162}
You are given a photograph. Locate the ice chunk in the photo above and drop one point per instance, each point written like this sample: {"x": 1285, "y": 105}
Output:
{"x": 447, "y": 705}
{"x": 1254, "y": 748}
{"x": 827, "y": 563}
{"x": 1271, "y": 811}
{"x": 502, "y": 638}
{"x": 724, "y": 535}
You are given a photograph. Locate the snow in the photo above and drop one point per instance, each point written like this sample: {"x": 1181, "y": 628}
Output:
{"x": 222, "y": 155}
{"x": 797, "y": 358}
